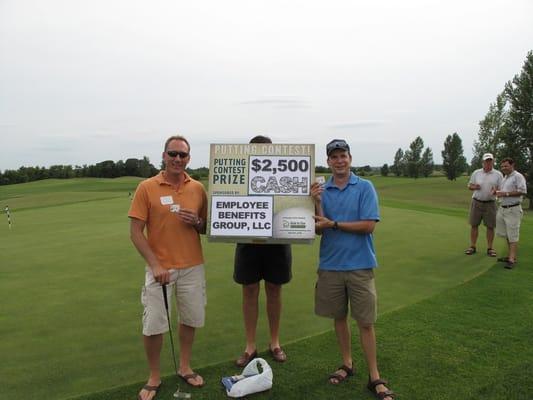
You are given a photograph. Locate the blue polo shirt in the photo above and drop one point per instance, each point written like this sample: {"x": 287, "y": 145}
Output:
{"x": 357, "y": 201}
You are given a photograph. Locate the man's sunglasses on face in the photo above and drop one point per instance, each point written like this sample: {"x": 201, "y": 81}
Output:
{"x": 175, "y": 153}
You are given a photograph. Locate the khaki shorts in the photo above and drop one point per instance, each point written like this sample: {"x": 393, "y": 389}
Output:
{"x": 482, "y": 211}
{"x": 188, "y": 286}
{"x": 334, "y": 289}
{"x": 508, "y": 223}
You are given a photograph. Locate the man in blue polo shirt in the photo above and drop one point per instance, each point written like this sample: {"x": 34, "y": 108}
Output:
{"x": 347, "y": 212}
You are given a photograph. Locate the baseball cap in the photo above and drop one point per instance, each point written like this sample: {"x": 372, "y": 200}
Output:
{"x": 488, "y": 156}
{"x": 337, "y": 144}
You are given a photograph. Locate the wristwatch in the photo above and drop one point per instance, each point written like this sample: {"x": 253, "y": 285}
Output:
{"x": 335, "y": 225}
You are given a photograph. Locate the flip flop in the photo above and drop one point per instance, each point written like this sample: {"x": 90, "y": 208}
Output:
{"x": 150, "y": 388}
{"x": 186, "y": 379}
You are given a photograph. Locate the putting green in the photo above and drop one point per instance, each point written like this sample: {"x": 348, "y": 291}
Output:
{"x": 71, "y": 280}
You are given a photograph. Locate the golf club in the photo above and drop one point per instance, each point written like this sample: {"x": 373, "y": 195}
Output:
{"x": 178, "y": 394}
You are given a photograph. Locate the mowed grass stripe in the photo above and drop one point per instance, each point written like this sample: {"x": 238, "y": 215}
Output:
{"x": 59, "y": 192}
{"x": 468, "y": 342}
{"x": 71, "y": 281}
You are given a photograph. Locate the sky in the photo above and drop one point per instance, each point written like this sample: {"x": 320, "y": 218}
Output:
{"x": 87, "y": 81}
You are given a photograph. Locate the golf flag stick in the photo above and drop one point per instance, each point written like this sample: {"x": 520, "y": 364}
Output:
{"x": 8, "y": 217}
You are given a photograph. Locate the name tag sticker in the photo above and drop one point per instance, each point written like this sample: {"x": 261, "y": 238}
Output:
{"x": 166, "y": 200}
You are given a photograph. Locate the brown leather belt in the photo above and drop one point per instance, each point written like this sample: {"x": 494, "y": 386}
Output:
{"x": 483, "y": 201}
{"x": 510, "y": 205}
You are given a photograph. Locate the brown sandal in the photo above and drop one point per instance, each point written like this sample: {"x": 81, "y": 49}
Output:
{"x": 278, "y": 354}
{"x": 245, "y": 358}
{"x": 380, "y": 395}
{"x": 491, "y": 252}
{"x": 340, "y": 377}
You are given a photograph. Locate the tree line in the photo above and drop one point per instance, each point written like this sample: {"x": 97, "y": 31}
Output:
{"x": 505, "y": 131}
{"x": 411, "y": 162}
{"x": 105, "y": 169}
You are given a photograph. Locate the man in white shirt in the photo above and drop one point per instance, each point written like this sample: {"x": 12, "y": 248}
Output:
{"x": 483, "y": 182}
{"x": 510, "y": 213}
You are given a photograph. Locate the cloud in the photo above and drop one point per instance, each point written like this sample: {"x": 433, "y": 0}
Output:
{"x": 278, "y": 102}
{"x": 358, "y": 124}
{"x": 59, "y": 148}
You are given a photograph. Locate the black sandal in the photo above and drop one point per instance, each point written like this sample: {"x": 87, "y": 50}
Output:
{"x": 491, "y": 252}
{"x": 339, "y": 377}
{"x": 510, "y": 264}
{"x": 471, "y": 250}
{"x": 380, "y": 395}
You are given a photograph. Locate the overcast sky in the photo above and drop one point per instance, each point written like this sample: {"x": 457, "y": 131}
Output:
{"x": 87, "y": 81}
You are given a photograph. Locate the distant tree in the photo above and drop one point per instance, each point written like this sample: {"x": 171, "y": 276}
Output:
{"x": 397, "y": 166}
{"x": 131, "y": 167}
{"x": 61, "y": 171}
{"x": 322, "y": 170}
{"x": 145, "y": 168}
{"x": 385, "y": 170}
{"x": 120, "y": 169}
{"x": 106, "y": 169}
{"x": 518, "y": 139}
{"x": 78, "y": 171}
{"x": 426, "y": 162}
{"x": 492, "y": 130}
{"x": 103, "y": 169}
{"x": 453, "y": 160}
{"x": 413, "y": 157}
{"x": 198, "y": 173}
{"x": 10, "y": 177}
{"x": 365, "y": 170}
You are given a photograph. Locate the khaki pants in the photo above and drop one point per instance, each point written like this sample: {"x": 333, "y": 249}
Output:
{"x": 188, "y": 285}
{"x": 335, "y": 289}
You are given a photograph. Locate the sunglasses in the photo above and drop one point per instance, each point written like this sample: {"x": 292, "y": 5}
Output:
{"x": 175, "y": 153}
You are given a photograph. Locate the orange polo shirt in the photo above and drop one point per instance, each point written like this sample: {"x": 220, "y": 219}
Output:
{"x": 175, "y": 243}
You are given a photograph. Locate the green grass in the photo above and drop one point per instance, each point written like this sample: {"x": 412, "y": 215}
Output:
{"x": 57, "y": 192}
{"x": 71, "y": 280}
{"x": 469, "y": 342}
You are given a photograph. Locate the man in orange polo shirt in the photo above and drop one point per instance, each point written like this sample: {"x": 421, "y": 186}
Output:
{"x": 172, "y": 207}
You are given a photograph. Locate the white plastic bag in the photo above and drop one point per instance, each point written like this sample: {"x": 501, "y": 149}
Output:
{"x": 251, "y": 380}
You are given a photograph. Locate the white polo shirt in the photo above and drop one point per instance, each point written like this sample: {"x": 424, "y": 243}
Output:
{"x": 514, "y": 182}
{"x": 488, "y": 181}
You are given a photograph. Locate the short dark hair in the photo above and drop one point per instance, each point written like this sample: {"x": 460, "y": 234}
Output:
{"x": 177, "y": 137}
{"x": 508, "y": 159}
{"x": 260, "y": 139}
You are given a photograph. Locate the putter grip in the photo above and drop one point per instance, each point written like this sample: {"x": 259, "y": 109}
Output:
{"x": 164, "y": 287}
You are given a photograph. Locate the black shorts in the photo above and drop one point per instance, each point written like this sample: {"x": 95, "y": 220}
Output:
{"x": 271, "y": 262}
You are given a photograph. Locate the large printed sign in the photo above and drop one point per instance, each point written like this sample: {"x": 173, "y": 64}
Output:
{"x": 260, "y": 193}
